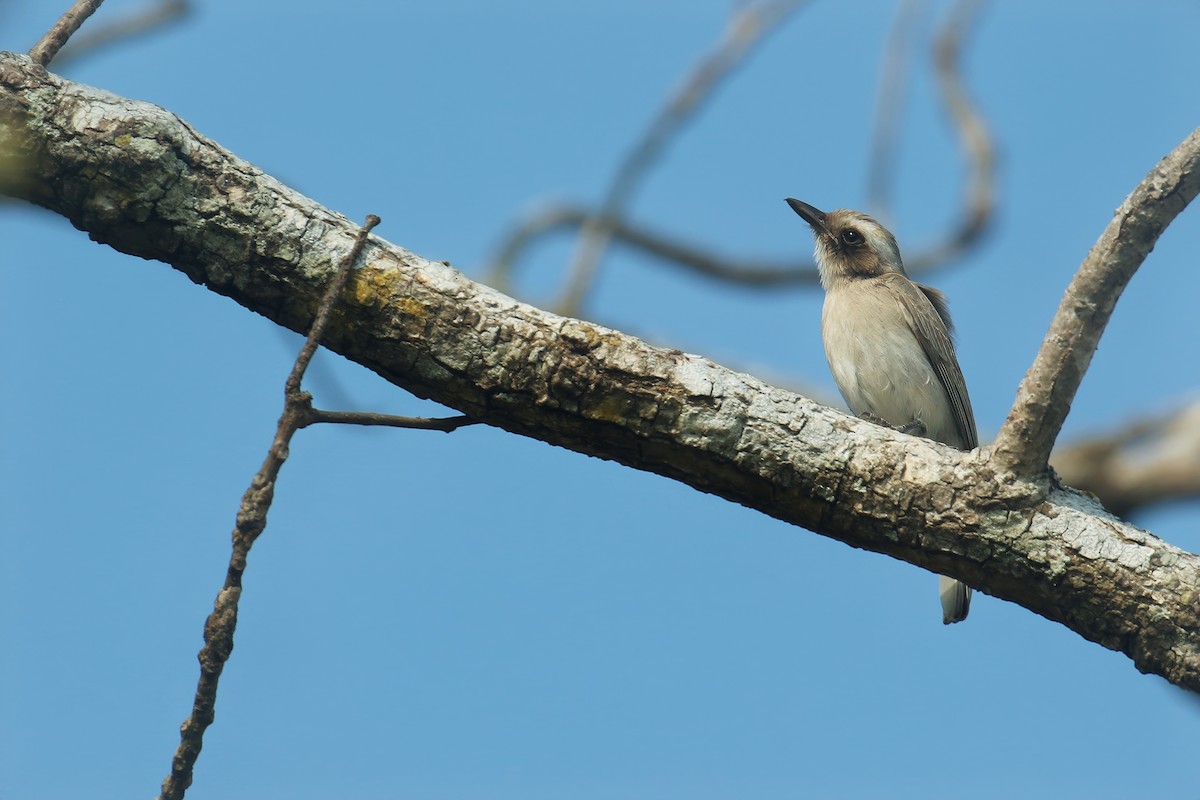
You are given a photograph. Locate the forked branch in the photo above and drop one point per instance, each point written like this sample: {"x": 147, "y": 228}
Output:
{"x": 1044, "y": 397}
{"x": 251, "y": 521}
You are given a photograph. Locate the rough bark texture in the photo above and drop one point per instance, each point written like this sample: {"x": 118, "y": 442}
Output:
{"x": 141, "y": 180}
{"x": 1044, "y": 397}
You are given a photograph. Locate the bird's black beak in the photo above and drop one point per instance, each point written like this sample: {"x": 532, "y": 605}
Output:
{"x": 809, "y": 214}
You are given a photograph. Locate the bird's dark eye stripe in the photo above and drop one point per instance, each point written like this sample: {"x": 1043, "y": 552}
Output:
{"x": 851, "y": 236}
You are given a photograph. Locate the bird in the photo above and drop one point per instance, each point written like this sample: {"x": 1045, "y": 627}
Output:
{"x": 889, "y": 343}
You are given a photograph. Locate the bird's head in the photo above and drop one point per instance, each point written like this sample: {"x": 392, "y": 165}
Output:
{"x": 850, "y": 245}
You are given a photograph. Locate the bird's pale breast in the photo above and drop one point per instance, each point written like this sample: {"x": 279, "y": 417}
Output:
{"x": 878, "y": 363}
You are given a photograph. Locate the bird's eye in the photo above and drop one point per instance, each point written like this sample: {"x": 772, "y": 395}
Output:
{"x": 852, "y": 237}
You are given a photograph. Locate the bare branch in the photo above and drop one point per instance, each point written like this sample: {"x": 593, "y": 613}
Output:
{"x": 425, "y": 327}
{"x": 672, "y": 250}
{"x": 45, "y": 50}
{"x": 972, "y": 133}
{"x": 1044, "y": 397}
{"x": 893, "y": 82}
{"x": 748, "y": 26}
{"x": 313, "y": 416}
{"x": 607, "y": 223}
{"x": 1148, "y": 462}
{"x": 251, "y": 521}
{"x": 292, "y": 386}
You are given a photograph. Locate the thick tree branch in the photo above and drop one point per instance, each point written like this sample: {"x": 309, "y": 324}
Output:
{"x": 1044, "y": 397}
{"x": 138, "y": 178}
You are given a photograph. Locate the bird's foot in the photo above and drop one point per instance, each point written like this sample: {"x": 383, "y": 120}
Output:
{"x": 914, "y": 428}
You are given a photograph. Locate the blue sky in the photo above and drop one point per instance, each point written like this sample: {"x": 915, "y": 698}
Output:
{"x": 485, "y": 616}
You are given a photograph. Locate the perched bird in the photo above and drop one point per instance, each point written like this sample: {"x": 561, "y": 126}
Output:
{"x": 888, "y": 343}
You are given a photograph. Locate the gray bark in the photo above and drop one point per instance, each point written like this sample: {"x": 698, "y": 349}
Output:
{"x": 139, "y": 179}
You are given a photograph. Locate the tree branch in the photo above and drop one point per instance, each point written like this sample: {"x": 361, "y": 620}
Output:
{"x": 251, "y": 521}
{"x": 47, "y": 48}
{"x": 141, "y": 180}
{"x": 747, "y": 27}
{"x": 1044, "y": 397}
{"x": 979, "y": 202}
{"x": 893, "y": 82}
{"x": 314, "y": 416}
{"x": 674, "y": 250}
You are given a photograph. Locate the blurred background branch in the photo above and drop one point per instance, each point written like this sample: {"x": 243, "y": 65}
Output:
{"x": 607, "y": 223}
{"x": 748, "y": 27}
{"x": 979, "y": 199}
{"x": 120, "y": 28}
{"x": 893, "y": 91}
{"x": 1149, "y": 461}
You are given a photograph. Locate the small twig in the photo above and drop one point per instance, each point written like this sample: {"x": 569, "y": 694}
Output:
{"x": 314, "y": 416}
{"x": 672, "y": 251}
{"x": 1044, "y": 397}
{"x": 749, "y": 25}
{"x": 145, "y": 20}
{"x": 251, "y": 520}
{"x": 325, "y": 310}
{"x": 45, "y": 50}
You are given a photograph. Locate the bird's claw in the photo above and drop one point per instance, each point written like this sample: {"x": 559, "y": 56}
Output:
{"x": 914, "y": 428}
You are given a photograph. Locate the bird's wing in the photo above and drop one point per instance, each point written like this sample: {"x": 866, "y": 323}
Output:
{"x": 929, "y": 316}
{"x": 937, "y": 299}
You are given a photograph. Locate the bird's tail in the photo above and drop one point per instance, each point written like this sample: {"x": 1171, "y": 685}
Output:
{"x": 956, "y": 599}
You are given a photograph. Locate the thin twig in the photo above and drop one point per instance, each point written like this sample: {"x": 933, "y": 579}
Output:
{"x": 314, "y": 416}
{"x": 122, "y": 29}
{"x": 251, "y": 520}
{"x": 45, "y": 50}
{"x": 1044, "y": 397}
{"x": 325, "y": 310}
{"x": 749, "y": 25}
